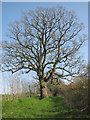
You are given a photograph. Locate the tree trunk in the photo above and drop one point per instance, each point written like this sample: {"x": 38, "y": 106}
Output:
{"x": 43, "y": 90}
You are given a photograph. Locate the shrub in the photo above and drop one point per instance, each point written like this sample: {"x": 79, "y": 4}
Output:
{"x": 77, "y": 97}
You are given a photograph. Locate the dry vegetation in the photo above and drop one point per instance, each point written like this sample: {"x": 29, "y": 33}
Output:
{"x": 75, "y": 97}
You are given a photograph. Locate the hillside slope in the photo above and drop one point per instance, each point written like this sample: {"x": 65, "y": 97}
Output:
{"x": 52, "y": 107}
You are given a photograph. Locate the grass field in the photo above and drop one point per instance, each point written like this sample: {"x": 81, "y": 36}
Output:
{"x": 52, "y": 107}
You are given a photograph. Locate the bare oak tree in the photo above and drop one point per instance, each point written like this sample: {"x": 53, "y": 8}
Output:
{"x": 45, "y": 41}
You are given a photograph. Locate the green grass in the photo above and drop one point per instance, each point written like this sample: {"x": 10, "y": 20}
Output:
{"x": 52, "y": 107}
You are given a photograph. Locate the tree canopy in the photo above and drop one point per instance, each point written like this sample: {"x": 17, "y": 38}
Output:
{"x": 45, "y": 41}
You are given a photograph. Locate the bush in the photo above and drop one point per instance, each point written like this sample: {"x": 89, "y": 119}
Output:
{"x": 74, "y": 94}
{"x": 77, "y": 97}
{"x": 57, "y": 89}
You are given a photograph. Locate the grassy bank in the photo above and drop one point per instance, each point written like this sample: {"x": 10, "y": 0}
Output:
{"x": 52, "y": 107}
